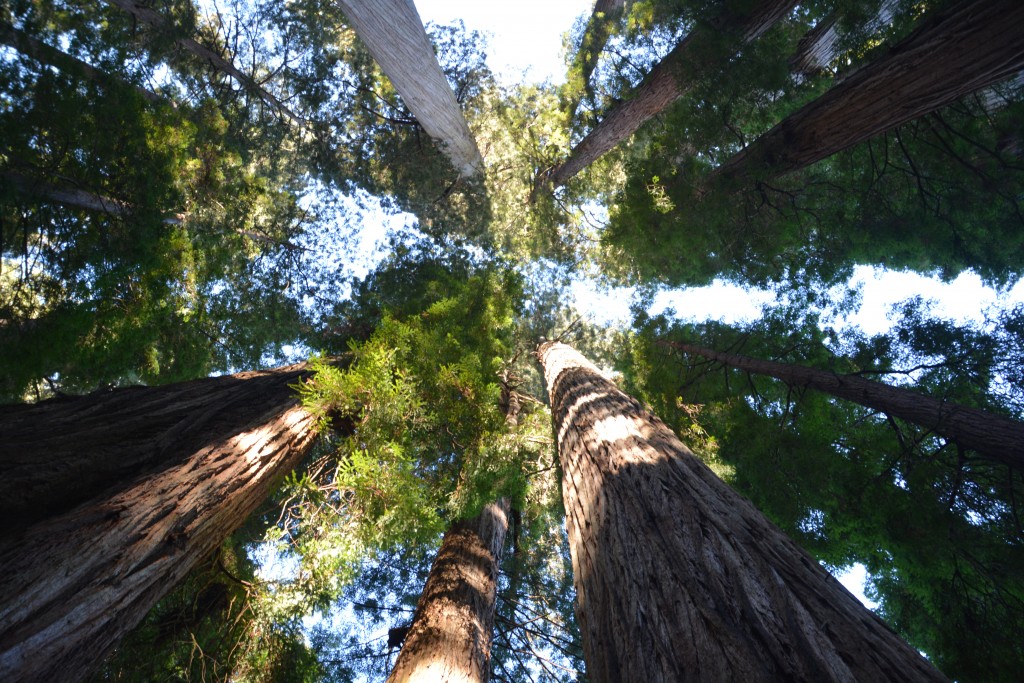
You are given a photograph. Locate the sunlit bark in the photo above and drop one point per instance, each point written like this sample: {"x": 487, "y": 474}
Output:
{"x": 450, "y": 637}
{"x": 394, "y": 35}
{"x": 183, "y": 466}
{"x": 666, "y": 82}
{"x": 678, "y": 577}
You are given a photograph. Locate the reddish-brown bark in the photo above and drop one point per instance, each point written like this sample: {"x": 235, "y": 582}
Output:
{"x": 678, "y": 577}
{"x": 72, "y": 584}
{"x": 450, "y": 637}
{"x": 994, "y": 436}
{"x": 965, "y": 48}
{"x": 666, "y": 82}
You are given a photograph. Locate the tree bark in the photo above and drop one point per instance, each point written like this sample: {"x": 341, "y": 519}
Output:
{"x": 146, "y": 15}
{"x": 666, "y": 82}
{"x": 450, "y": 637}
{"x": 963, "y": 49}
{"x": 996, "y": 437}
{"x": 820, "y": 46}
{"x": 51, "y": 56}
{"x": 595, "y": 36}
{"x": 195, "y": 460}
{"x": 678, "y": 577}
{"x": 393, "y": 33}
{"x": 73, "y": 196}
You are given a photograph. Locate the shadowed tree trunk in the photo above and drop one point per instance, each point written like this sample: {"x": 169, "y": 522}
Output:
{"x": 394, "y": 35}
{"x": 144, "y": 14}
{"x": 450, "y": 637}
{"x": 958, "y": 51}
{"x": 51, "y": 56}
{"x": 994, "y": 436}
{"x": 678, "y": 577}
{"x": 177, "y": 469}
{"x": 78, "y": 198}
{"x": 595, "y": 36}
{"x": 666, "y": 82}
{"x": 451, "y": 633}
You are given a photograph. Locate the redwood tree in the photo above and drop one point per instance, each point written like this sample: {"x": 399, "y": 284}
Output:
{"x": 450, "y": 637}
{"x": 677, "y": 576}
{"x": 394, "y": 35}
{"x": 156, "y": 479}
{"x": 666, "y": 82}
{"x": 963, "y": 49}
{"x": 997, "y": 437}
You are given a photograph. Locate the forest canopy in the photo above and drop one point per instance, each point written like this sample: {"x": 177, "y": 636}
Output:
{"x": 194, "y": 196}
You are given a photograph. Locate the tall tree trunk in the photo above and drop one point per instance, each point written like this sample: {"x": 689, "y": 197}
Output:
{"x": 451, "y": 633}
{"x": 193, "y": 468}
{"x": 996, "y": 437}
{"x": 666, "y": 82}
{"x": 599, "y": 29}
{"x": 820, "y": 46}
{"x": 78, "y": 198}
{"x": 450, "y": 637}
{"x": 51, "y": 56}
{"x": 146, "y": 15}
{"x": 393, "y": 33}
{"x": 678, "y": 577}
{"x": 958, "y": 51}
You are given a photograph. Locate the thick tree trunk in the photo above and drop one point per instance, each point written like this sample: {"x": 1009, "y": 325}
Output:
{"x": 73, "y": 584}
{"x": 961, "y": 50}
{"x": 678, "y": 577}
{"x": 144, "y": 14}
{"x": 393, "y": 33}
{"x": 51, "y": 56}
{"x": 666, "y": 82}
{"x": 996, "y": 437}
{"x": 450, "y": 637}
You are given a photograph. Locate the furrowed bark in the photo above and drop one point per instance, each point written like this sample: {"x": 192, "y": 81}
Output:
{"x": 450, "y": 637}
{"x": 393, "y": 33}
{"x": 678, "y": 577}
{"x": 820, "y": 46}
{"x": 73, "y": 584}
{"x": 965, "y": 48}
{"x": 51, "y": 56}
{"x": 996, "y": 437}
{"x": 666, "y": 82}
{"x": 451, "y": 634}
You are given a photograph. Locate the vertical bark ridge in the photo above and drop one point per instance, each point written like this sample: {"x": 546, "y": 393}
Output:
{"x": 71, "y": 586}
{"x": 678, "y": 577}
{"x": 963, "y": 49}
{"x": 450, "y": 637}
{"x": 393, "y": 33}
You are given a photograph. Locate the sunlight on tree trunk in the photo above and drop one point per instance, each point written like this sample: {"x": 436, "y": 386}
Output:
{"x": 450, "y": 637}
{"x": 394, "y": 35}
{"x": 72, "y": 585}
{"x": 678, "y": 577}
